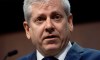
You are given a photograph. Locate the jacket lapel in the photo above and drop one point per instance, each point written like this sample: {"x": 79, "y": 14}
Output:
{"x": 74, "y": 53}
{"x": 33, "y": 56}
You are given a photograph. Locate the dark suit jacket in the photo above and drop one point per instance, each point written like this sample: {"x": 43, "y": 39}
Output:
{"x": 75, "y": 53}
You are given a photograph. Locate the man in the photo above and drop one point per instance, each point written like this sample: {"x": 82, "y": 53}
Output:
{"x": 48, "y": 23}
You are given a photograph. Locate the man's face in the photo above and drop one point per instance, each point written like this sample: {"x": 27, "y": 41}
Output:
{"x": 49, "y": 27}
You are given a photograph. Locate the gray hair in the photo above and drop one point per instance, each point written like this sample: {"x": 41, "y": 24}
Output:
{"x": 27, "y": 7}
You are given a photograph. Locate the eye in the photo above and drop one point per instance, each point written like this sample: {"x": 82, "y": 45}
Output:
{"x": 40, "y": 19}
{"x": 56, "y": 16}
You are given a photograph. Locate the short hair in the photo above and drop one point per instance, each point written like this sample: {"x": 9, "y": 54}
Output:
{"x": 28, "y": 3}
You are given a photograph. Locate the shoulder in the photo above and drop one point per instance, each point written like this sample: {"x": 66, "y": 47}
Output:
{"x": 85, "y": 53}
{"x": 30, "y": 56}
{"x": 90, "y": 54}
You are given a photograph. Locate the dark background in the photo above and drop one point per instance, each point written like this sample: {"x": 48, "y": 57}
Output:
{"x": 11, "y": 13}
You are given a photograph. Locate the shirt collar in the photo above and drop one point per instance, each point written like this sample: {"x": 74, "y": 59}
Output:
{"x": 60, "y": 56}
{"x": 39, "y": 56}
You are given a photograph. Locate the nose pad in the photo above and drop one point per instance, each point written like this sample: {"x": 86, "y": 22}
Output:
{"x": 49, "y": 30}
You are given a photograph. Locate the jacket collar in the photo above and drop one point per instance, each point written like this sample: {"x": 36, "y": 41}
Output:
{"x": 33, "y": 56}
{"x": 74, "y": 52}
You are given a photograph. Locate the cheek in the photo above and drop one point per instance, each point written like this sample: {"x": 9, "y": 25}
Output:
{"x": 37, "y": 32}
{"x": 63, "y": 30}
{"x": 35, "y": 37}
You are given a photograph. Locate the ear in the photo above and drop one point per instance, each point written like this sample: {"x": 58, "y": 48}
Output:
{"x": 26, "y": 27}
{"x": 70, "y": 21}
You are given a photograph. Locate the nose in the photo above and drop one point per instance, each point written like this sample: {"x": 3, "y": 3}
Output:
{"x": 49, "y": 27}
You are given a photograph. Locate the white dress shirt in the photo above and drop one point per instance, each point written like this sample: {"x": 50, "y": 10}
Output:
{"x": 61, "y": 56}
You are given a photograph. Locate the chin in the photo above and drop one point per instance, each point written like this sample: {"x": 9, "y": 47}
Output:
{"x": 52, "y": 50}
{"x": 52, "y": 47}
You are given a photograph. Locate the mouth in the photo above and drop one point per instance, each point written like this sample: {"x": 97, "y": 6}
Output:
{"x": 51, "y": 37}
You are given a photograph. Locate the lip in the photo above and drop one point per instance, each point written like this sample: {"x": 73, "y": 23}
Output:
{"x": 50, "y": 37}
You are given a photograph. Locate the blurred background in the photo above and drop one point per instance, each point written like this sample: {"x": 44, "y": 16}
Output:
{"x": 86, "y": 19}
